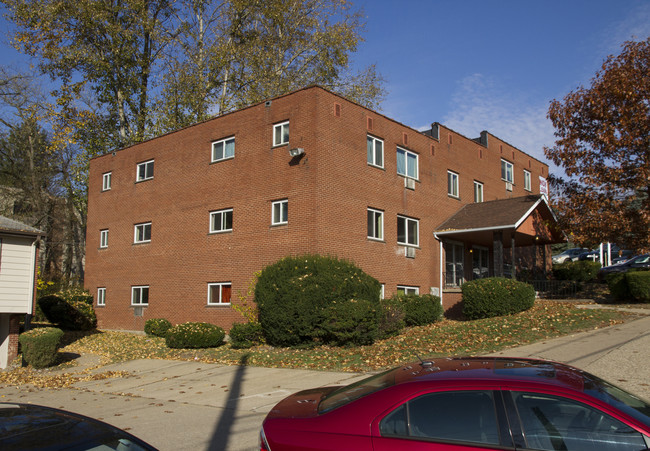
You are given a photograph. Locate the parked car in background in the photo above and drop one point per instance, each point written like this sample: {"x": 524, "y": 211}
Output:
{"x": 569, "y": 255}
{"x": 638, "y": 262}
{"x": 32, "y": 427}
{"x": 616, "y": 253}
{"x": 463, "y": 404}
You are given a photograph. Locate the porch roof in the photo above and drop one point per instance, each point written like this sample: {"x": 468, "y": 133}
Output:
{"x": 529, "y": 218}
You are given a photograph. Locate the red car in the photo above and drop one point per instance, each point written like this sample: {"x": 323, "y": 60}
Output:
{"x": 463, "y": 404}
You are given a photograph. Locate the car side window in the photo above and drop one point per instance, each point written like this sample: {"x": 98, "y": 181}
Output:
{"x": 458, "y": 416}
{"x": 556, "y": 423}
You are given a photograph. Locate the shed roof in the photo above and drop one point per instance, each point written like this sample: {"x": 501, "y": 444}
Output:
{"x": 13, "y": 226}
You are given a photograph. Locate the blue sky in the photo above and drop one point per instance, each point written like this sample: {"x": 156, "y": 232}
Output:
{"x": 492, "y": 65}
{"x": 483, "y": 64}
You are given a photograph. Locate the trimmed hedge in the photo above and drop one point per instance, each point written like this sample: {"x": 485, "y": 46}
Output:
{"x": 157, "y": 327}
{"x": 246, "y": 335}
{"x": 580, "y": 271}
{"x": 632, "y": 286}
{"x": 294, "y": 293}
{"x": 353, "y": 322}
{"x": 496, "y": 296}
{"x": 195, "y": 335}
{"x": 391, "y": 318}
{"x": 39, "y": 346}
{"x": 74, "y": 313}
{"x": 420, "y": 310}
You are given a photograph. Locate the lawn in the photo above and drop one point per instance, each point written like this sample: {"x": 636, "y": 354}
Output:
{"x": 546, "y": 319}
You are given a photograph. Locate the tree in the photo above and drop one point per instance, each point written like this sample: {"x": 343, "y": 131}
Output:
{"x": 603, "y": 144}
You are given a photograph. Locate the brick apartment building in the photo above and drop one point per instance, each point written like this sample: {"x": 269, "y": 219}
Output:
{"x": 178, "y": 225}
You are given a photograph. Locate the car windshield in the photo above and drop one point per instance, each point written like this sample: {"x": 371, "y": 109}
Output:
{"x": 626, "y": 402}
{"x": 352, "y": 392}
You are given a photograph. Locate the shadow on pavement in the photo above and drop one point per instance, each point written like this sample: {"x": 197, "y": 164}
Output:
{"x": 223, "y": 429}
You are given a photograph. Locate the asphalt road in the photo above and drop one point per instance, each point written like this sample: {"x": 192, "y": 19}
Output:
{"x": 176, "y": 405}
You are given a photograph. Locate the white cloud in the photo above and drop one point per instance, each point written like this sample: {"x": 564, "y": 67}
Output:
{"x": 480, "y": 104}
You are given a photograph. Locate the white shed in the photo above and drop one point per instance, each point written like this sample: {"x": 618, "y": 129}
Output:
{"x": 18, "y": 263}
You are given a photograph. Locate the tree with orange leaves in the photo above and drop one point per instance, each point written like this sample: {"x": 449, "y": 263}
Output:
{"x": 603, "y": 144}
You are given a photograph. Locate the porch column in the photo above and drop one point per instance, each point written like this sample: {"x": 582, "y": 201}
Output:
{"x": 513, "y": 272}
{"x": 497, "y": 238}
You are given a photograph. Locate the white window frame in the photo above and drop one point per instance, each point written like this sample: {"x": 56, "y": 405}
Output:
{"x": 406, "y": 154}
{"x": 408, "y": 241}
{"x": 454, "y": 263}
{"x": 140, "y": 289}
{"x": 220, "y": 285}
{"x": 407, "y": 290}
{"x": 224, "y": 142}
{"x": 527, "y": 180}
{"x": 280, "y": 136}
{"x": 223, "y": 222}
{"x": 282, "y": 207}
{"x": 101, "y": 296}
{"x": 373, "y": 153}
{"x": 374, "y": 234}
{"x": 106, "y": 181}
{"x": 478, "y": 192}
{"x": 143, "y": 227}
{"x": 453, "y": 184}
{"x": 103, "y": 239}
{"x": 145, "y": 176}
{"x": 507, "y": 171}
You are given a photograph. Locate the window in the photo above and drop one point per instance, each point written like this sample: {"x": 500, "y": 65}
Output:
{"x": 103, "y": 238}
{"x": 375, "y": 151}
{"x": 454, "y": 416}
{"x": 375, "y": 224}
{"x": 221, "y": 221}
{"x": 140, "y": 295}
{"x": 106, "y": 181}
{"x": 506, "y": 171}
{"x": 281, "y": 134}
{"x": 101, "y": 296}
{"x": 145, "y": 171}
{"x": 407, "y": 163}
{"x": 223, "y": 150}
{"x": 142, "y": 233}
{"x": 454, "y": 272}
{"x": 526, "y": 180}
{"x": 452, "y": 184}
{"x": 478, "y": 191}
{"x": 219, "y": 293}
{"x": 280, "y": 212}
{"x": 407, "y": 231}
{"x": 480, "y": 262}
{"x": 552, "y": 422}
{"x": 407, "y": 290}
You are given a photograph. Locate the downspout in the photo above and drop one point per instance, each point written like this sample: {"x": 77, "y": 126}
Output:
{"x": 439, "y": 264}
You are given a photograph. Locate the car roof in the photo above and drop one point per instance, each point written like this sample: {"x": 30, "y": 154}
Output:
{"x": 492, "y": 369}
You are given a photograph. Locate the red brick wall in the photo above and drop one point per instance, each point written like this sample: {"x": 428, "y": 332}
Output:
{"x": 14, "y": 332}
{"x": 329, "y": 190}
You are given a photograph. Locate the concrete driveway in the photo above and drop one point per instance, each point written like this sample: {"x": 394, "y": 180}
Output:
{"x": 177, "y": 405}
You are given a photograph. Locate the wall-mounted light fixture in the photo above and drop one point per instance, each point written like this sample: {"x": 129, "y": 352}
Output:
{"x": 296, "y": 151}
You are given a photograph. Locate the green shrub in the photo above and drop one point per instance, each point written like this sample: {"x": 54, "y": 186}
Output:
{"x": 71, "y": 314}
{"x": 420, "y": 310}
{"x": 157, "y": 327}
{"x": 292, "y": 294}
{"x": 639, "y": 283}
{"x": 618, "y": 287}
{"x": 195, "y": 335}
{"x": 580, "y": 271}
{"x": 39, "y": 346}
{"x": 496, "y": 296}
{"x": 391, "y": 317}
{"x": 353, "y": 322}
{"x": 246, "y": 335}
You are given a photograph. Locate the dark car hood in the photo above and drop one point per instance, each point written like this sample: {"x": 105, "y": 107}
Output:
{"x": 303, "y": 404}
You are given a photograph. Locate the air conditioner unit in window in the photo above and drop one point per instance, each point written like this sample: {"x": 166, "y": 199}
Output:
{"x": 410, "y": 252}
{"x": 409, "y": 183}
{"x": 508, "y": 186}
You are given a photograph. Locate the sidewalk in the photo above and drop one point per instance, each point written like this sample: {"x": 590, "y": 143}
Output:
{"x": 178, "y": 405}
